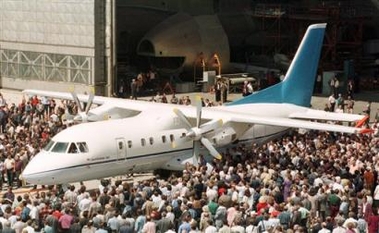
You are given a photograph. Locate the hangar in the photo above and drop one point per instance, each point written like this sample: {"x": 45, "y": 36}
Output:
{"x": 94, "y": 45}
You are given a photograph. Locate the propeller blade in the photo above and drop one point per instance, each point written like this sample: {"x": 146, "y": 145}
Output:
{"x": 183, "y": 118}
{"x": 196, "y": 151}
{"x": 207, "y": 144}
{"x": 210, "y": 126}
{"x": 198, "y": 111}
{"x": 90, "y": 101}
{"x": 76, "y": 99}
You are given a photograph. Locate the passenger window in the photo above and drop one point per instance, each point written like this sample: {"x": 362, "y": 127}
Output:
{"x": 143, "y": 142}
{"x": 120, "y": 145}
{"x": 82, "y": 147}
{"x": 164, "y": 139}
{"x": 60, "y": 147}
{"x": 130, "y": 144}
{"x": 73, "y": 149}
{"x": 151, "y": 140}
{"x": 172, "y": 138}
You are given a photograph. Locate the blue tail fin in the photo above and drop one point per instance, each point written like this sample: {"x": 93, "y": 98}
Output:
{"x": 297, "y": 86}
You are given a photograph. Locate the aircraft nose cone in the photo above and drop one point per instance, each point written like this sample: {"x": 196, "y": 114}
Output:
{"x": 27, "y": 173}
{"x": 33, "y": 169}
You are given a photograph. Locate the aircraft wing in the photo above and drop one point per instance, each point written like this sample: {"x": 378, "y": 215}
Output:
{"x": 312, "y": 114}
{"x": 107, "y": 107}
{"x": 295, "y": 123}
{"x": 98, "y": 100}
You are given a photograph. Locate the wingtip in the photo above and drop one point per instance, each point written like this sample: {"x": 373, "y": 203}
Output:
{"x": 318, "y": 25}
{"x": 361, "y": 122}
{"x": 366, "y": 131}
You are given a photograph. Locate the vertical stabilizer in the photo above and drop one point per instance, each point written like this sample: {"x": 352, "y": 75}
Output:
{"x": 297, "y": 86}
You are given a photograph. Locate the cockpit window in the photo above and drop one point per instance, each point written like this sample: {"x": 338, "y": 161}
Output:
{"x": 49, "y": 145}
{"x": 60, "y": 147}
{"x": 82, "y": 147}
{"x": 73, "y": 149}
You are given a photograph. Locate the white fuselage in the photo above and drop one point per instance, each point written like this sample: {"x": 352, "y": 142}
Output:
{"x": 142, "y": 143}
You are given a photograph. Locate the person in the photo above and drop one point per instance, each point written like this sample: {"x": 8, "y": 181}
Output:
{"x": 340, "y": 101}
{"x": 65, "y": 221}
{"x": 140, "y": 221}
{"x": 367, "y": 109}
{"x": 164, "y": 98}
{"x": 217, "y": 89}
{"x": 247, "y": 88}
{"x": 185, "y": 226}
{"x": 150, "y": 226}
{"x": 164, "y": 223}
{"x": 335, "y": 85}
{"x": 133, "y": 89}
{"x": 318, "y": 84}
{"x": 339, "y": 109}
{"x": 174, "y": 99}
{"x": 210, "y": 228}
{"x": 373, "y": 221}
{"x": 7, "y": 228}
{"x": 126, "y": 228}
{"x": 224, "y": 90}
{"x": 349, "y": 104}
{"x": 9, "y": 195}
{"x": 29, "y": 227}
{"x": 350, "y": 88}
{"x": 121, "y": 89}
{"x": 332, "y": 102}
{"x": 10, "y": 167}
{"x": 88, "y": 228}
{"x": 339, "y": 228}
{"x": 324, "y": 229}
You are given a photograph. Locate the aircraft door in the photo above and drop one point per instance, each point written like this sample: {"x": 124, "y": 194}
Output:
{"x": 121, "y": 148}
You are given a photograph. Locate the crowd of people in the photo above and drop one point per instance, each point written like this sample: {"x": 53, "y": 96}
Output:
{"x": 311, "y": 182}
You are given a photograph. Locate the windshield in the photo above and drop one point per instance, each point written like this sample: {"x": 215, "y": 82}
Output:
{"x": 49, "y": 145}
{"x": 60, "y": 147}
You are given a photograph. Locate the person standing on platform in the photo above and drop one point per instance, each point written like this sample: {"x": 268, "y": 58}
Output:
{"x": 218, "y": 90}
{"x": 134, "y": 87}
{"x": 224, "y": 91}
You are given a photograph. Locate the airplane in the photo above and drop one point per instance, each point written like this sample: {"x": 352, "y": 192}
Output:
{"x": 145, "y": 136}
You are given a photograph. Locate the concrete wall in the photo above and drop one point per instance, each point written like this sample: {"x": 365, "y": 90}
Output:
{"x": 52, "y": 45}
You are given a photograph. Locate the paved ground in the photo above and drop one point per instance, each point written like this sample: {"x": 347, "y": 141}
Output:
{"x": 318, "y": 102}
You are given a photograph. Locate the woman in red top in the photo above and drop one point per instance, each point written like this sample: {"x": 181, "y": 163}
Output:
{"x": 373, "y": 221}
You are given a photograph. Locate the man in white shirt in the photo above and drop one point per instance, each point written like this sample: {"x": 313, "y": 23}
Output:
{"x": 9, "y": 164}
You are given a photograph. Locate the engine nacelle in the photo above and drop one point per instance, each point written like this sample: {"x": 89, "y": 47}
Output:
{"x": 225, "y": 136}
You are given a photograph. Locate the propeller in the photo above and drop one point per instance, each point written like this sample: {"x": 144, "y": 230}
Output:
{"x": 196, "y": 133}
{"x": 82, "y": 115}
